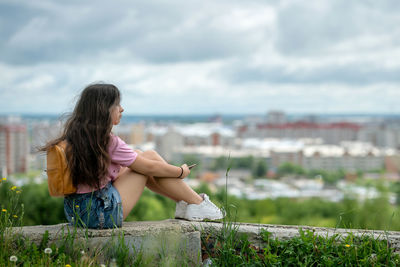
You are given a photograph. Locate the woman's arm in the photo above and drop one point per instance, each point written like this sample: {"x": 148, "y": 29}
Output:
{"x": 157, "y": 168}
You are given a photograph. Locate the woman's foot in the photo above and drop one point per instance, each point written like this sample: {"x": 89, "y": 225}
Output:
{"x": 180, "y": 209}
{"x": 181, "y": 206}
{"x": 206, "y": 210}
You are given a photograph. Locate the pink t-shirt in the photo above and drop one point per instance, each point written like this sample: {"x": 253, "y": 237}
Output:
{"x": 121, "y": 156}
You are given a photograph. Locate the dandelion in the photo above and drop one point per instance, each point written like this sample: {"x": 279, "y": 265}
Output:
{"x": 347, "y": 245}
{"x": 76, "y": 206}
{"x": 4, "y": 179}
{"x": 82, "y": 252}
{"x": 15, "y": 216}
{"x": 18, "y": 191}
{"x": 48, "y": 250}
{"x": 13, "y": 188}
{"x": 372, "y": 257}
{"x": 67, "y": 265}
{"x": 13, "y": 258}
{"x": 4, "y": 210}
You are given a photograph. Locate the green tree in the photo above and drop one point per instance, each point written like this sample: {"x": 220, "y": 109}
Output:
{"x": 328, "y": 177}
{"x": 260, "y": 169}
{"x": 290, "y": 168}
{"x": 347, "y": 217}
{"x": 204, "y": 188}
{"x": 220, "y": 163}
{"x": 243, "y": 162}
{"x": 152, "y": 207}
{"x": 40, "y": 207}
{"x": 396, "y": 190}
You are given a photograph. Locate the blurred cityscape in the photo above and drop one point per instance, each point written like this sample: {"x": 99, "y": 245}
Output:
{"x": 258, "y": 157}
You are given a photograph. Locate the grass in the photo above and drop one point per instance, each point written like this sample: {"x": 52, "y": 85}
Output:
{"x": 229, "y": 248}
{"x": 69, "y": 250}
{"x": 225, "y": 247}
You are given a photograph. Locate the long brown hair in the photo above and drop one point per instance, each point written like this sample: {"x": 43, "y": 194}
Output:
{"x": 87, "y": 132}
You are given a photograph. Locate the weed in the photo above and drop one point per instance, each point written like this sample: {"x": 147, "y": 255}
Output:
{"x": 227, "y": 247}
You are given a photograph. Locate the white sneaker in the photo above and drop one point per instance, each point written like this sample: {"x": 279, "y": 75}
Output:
{"x": 206, "y": 210}
{"x": 180, "y": 209}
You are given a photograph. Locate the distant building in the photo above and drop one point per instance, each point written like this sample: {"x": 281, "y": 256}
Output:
{"x": 345, "y": 161}
{"x": 310, "y": 155}
{"x": 3, "y": 153}
{"x": 276, "y": 117}
{"x": 381, "y": 134}
{"x": 278, "y": 157}
{"x": 168, "y": 143}
{"x": 138, "y": 134}
{"x": 13, "y": 148}
{"x": 352, "y": 156}
{"x": 42, "y": 132}
{"x": 170, "y": 139}
{"x": 392, "y": 164}
{"x": 216, "y": 118}
{"x": 207, "y": 134}
{"x": 331, "y": 133}
{"x": 124, "y": 132}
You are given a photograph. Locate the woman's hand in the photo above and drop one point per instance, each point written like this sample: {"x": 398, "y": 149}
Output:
{"x": 186, "y": 171}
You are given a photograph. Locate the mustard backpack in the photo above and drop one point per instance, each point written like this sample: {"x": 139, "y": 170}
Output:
{"x": 58, "y": 174}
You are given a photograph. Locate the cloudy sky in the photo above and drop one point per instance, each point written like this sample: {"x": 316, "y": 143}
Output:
{"x": 195, "y": 57}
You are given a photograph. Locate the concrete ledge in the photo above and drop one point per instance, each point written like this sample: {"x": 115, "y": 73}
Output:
{"x": 35, "y": 233}
{"x": 179, "y": 237}
{"x": 151, "y": 238}
{"x": 284, "y": 232}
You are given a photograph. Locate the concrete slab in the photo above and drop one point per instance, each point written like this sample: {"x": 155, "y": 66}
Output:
{"x": 177, "y": 239}
{"x": 288, "y": 231}
{"x": 152, "y": 239}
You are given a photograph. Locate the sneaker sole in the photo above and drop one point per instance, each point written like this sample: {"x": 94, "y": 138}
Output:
{"x": 203, "y": 219}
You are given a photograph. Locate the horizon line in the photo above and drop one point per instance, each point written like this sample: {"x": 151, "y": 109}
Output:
{"x": 219, "y": 114}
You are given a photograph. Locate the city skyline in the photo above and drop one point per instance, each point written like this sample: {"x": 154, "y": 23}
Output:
{"x": 182, "y": 57}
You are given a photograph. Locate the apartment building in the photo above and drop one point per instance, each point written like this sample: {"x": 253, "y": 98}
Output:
{"x": 331, "y": 133}
{"x": 169, "y": 139}
{"x": 349, "y": 156}
{"x": 14, "y": 148}
{"x": 381, "y": 134}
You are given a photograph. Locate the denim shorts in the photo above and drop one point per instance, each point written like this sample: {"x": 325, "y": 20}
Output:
{"x": 100, "y": 209}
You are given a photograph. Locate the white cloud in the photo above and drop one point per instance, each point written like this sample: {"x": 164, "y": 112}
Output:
{"x": 202, "y": 57}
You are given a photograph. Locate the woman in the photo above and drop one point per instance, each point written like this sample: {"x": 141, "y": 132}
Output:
{"x": 110, "y": 176}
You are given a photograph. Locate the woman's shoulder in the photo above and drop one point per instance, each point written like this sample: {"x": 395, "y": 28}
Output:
{"x": 120, "y": 152}
{"x": 115, "y": 141}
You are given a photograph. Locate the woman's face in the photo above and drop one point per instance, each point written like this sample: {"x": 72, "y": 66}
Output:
{"x": 116, "y": 113}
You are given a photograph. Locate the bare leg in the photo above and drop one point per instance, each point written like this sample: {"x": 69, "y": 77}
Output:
{"x": 130, "y": 186}
{"x": 151, "y": 182}
{"x": 174, "y": 188}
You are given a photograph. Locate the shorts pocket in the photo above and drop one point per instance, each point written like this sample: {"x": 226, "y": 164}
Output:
{"x": 80, "y": 211}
